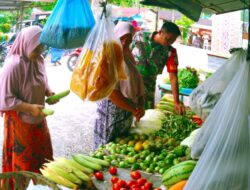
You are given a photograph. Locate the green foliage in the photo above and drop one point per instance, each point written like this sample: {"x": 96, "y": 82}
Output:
{"x": 5, "y": 28}
{"x": 124, "y": 3}
{"x": 45, "y": 6}
{"x": 208, "y": 75}
{"x": 188, "y": 78}
{"x": 185, "y": 23}
{"x": 3, "y": 37}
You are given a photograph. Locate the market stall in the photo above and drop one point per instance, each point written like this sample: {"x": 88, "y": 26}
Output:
{"x": 156, "y": 153}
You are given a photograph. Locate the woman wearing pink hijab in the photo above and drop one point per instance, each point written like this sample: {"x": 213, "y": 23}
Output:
{"x": 115, "y": 114}
{"x": 23, "y": 87}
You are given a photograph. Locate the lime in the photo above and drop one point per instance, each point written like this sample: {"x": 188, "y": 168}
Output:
{"x": 122, "y": 164}
{"x": 157, "y": 168}
{"x": 135, "y": 166}
{"x": 149, "y": 170}
{"x": 143, "y": 166}
{"x": 176, "y": 161}
{"x": 162, "y": 170}
{"x": 124, "y": 151}
{"x": 131, "y": 160}
{"x": 114, "y": 163}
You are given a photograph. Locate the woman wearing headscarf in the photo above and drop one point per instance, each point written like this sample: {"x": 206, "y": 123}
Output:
{"x": 115, "y": 114}
{"x": 23, "y": 87}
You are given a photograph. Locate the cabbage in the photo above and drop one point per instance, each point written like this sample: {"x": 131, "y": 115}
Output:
{"x": 149, "y": 123}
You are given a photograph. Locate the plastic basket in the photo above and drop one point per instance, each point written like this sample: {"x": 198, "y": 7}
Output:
{"x": 20, "y": 180}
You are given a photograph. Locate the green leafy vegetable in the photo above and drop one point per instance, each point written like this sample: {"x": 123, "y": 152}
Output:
{"x": 188, "y": 78}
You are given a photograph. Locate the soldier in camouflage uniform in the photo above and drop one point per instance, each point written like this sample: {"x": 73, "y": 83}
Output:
{"x": 153, "y": 52}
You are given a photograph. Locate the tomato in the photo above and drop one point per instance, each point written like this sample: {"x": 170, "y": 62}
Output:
{"x": 141, "y": 181}
{"x": 148, "y": 185}
{"x": 122, "y": 183}
{"x": 99, "y": 175}
{"x": 136, "y": 188}
{"x": 145, "y": 188}
{"x": 131, "y": 183}
{"x": 135, "y": 174}
{"x": 113, "y": 170}
{"x": 123, "y": 188}
{"x": 114, "y": 179}
{"x": 116, "y": 186}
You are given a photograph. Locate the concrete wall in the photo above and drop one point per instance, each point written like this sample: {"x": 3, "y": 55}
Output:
{"x": 226, "y": 32}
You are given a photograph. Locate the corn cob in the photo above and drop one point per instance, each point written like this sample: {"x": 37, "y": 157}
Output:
{"x": 165, "y": 107}
{"x": 168, "y": 98}
{"x": 70, "y": 163}
{"x": 95, "y": 160}
{"x": 64, "y": 173}
{"x": 81, "y": 160}
{"x": 166, "y": 103}
{"x": 48, "y": 173}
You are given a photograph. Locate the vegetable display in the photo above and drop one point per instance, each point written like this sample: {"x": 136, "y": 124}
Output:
{"x": 188, "y": 78}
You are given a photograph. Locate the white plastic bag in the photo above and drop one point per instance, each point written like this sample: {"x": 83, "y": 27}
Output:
{"x": 37, "y": 187}
{"x": 206, "y": 95}
{"x": 224, "y": 139}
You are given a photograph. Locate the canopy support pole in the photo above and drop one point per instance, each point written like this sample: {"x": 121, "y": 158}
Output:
{"x": 248, "y": 48}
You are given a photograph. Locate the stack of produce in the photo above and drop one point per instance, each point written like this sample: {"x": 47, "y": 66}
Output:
{"x": 166, "y": 104}
{"x": 122, "y": 179}
{"x": 188, "y": 78}
{"x": 73, "y": 173}
{"x": 148, "y": 153}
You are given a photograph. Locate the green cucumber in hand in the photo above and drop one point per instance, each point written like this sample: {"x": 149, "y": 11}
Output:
{"x": 47, "y": 111}
{"x": 57, "y": 97}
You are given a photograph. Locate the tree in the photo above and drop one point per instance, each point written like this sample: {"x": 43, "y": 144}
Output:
{"x": 185, "y": 23}
{"x": 45, "y": 6}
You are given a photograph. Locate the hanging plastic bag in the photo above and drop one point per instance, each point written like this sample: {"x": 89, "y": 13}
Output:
{"x": 224, "y": 140}
{"x": 68, "y": 25}
{"x": 206, "y": 95}
{"x": 100, "y": 64}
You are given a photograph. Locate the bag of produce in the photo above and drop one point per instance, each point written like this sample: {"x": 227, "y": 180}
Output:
{"x": 68, "y": 25}
{"x": 223, "y": 143}
{"x": 206, "y": 95}
{"x": 100, "y": 64}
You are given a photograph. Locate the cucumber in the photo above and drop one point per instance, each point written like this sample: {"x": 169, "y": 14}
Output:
{"x": 57, "y": 97}
{"x": 178, "y": 172}
{"x": 81, "y": 160}
{"x": 47, "y": 111}
{"x": 95, "y": 160}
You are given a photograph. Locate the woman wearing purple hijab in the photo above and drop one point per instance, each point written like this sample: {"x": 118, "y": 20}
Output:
{"x": 115, "y": 114}
{"x": 23, "y": 87}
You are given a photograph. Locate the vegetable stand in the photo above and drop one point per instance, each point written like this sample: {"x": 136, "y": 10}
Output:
{"x": 182, "y": 91}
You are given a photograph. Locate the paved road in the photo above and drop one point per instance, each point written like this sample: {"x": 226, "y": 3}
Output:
{"x": 71, "y": 126}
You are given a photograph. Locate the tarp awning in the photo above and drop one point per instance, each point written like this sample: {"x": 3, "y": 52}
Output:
{"x": 193, "y": 8}
{"x": 18, "y": 4}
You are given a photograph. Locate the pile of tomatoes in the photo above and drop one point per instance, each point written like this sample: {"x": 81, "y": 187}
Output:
{"x": 137, "y": 182}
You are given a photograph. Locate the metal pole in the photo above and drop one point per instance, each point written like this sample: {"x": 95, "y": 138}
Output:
{"x": 248, "y": 48}
{"x": 157, "y": 19}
